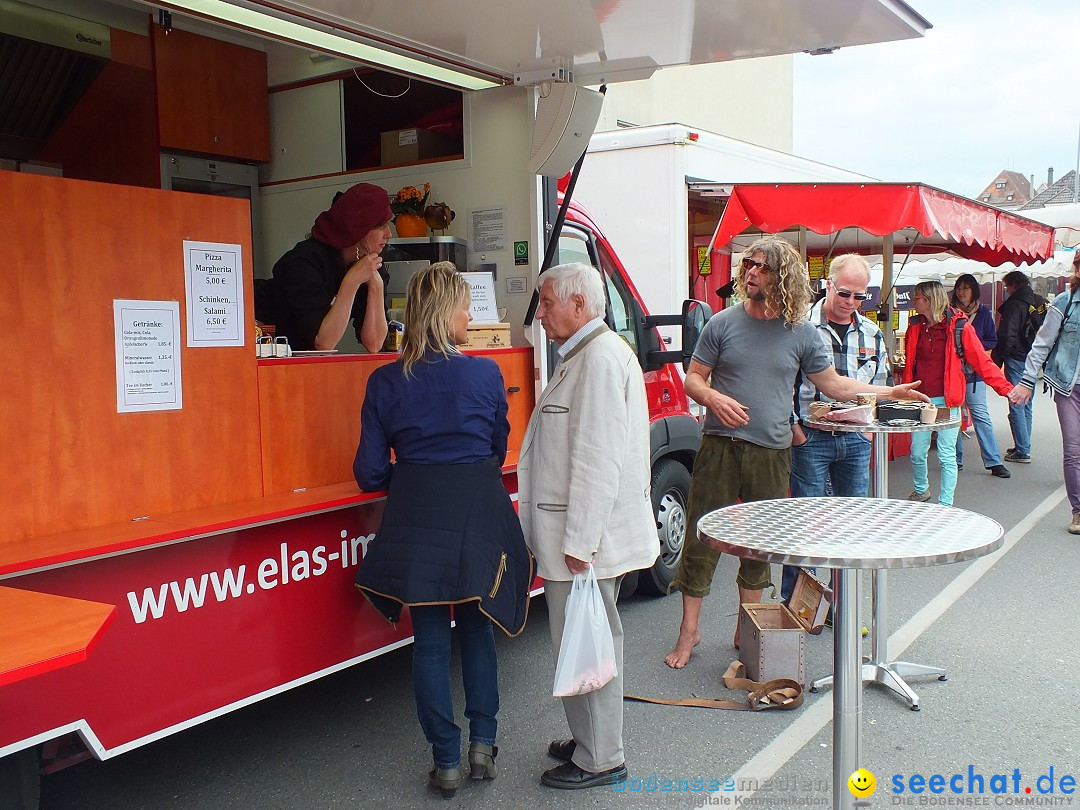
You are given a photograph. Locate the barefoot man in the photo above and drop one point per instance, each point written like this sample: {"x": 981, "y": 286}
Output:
{"x": 743, "y": 372}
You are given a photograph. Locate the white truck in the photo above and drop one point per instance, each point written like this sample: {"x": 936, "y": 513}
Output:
{"x": 659, "y": 191}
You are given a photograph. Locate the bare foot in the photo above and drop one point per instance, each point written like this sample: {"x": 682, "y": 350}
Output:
{"x": 684, "y": 647}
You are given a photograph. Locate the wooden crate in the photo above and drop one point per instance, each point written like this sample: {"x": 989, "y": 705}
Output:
{"x": 772, "y": 638}
{"x": 489, "y": 336}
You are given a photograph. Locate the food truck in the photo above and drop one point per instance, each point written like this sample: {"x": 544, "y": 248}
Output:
{"x": 181, "y": 529}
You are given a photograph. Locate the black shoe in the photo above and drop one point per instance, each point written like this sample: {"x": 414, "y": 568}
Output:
{"x": 959, "y": 465}
{"x": 562, "y": 750}
{"x": 1013, "y": 455}
{"x": 569, "y": 776}
{"x": 999, "y": 471}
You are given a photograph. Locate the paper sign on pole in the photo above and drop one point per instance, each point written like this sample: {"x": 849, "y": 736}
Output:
{"x": 484, "y": 309}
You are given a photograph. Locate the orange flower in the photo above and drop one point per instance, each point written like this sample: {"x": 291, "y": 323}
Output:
{"x": 410, "y": 200}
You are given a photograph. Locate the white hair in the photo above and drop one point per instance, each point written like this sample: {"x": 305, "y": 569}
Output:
{"x": 846, "y": 260}
{"x": 577, "y": 278}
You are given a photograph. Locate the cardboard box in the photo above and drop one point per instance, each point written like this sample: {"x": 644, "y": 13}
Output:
{"x": 411, "y": 145}
{"x": 489, "y": 336}
{"x": 772, "y": 637}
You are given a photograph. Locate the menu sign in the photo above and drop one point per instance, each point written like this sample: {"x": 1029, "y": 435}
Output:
{"x": 215, "y": 294}
{"x": 482, "y": 305}
{"x": 147, "y": 337}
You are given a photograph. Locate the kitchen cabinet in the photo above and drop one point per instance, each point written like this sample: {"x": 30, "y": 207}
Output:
{"x": 211, "y": 96}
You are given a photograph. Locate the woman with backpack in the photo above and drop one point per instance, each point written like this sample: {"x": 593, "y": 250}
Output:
{"x": 1022, "y": 314}
{"x": 1056, "y": 352}
{"x": 932, "y": 357}
{"x": 965, "y": 297}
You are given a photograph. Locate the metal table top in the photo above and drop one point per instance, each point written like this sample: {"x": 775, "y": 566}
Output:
{"x": 881, "y": 427}
{"x": 850, "y": 532}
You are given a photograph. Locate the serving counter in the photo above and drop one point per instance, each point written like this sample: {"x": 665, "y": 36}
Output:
{"x": 160, "y": 568}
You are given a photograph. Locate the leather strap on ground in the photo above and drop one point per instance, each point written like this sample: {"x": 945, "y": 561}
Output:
{"x": 779, "y": 693}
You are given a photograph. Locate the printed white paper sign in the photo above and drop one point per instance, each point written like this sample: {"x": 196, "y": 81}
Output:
{"x": 147, "y": 356}
{"x": 215, "y": 294}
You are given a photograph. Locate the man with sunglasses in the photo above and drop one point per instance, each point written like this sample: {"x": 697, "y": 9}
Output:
{"x": 743, "y": 371}
{"x": 858, "y": 351}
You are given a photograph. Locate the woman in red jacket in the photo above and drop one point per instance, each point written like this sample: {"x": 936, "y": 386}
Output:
{"x": 932, "y": 358}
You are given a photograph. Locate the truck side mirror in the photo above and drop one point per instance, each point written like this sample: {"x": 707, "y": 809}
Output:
{"x": 695, "y": 314}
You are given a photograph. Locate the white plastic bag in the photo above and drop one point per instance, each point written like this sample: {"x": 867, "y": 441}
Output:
{"x": 587, "y": 652}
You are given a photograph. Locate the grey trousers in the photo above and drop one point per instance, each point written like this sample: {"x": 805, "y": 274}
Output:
{"x": 595, "y": 718}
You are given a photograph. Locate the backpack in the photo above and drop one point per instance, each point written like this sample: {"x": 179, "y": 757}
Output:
{"x": 1036, "y": 316}
{"x": 958, "y": 329}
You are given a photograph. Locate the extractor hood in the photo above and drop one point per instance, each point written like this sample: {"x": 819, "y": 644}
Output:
{"x": 47, "y": 61}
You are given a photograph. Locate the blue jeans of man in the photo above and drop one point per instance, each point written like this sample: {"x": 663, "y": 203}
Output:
{"x": 843, "y": 458}
{"x": 975, "y": 399}
{"x": 1019, "y": 415}
{"x": 431, "y": 678}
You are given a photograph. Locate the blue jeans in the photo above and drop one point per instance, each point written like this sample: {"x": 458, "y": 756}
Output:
{"x": 843, "y": 459}
{"x": 431, "y": 678}
{"x": 975, "y": 398}
{"x": 1019, "y": 415}
{"x": 1068, "y": 410}
{"x": 946, "y": 453}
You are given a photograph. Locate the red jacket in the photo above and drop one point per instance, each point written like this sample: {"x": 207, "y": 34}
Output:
{"x": 974, "y": 354}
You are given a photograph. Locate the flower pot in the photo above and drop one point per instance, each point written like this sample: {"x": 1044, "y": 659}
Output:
{"x": 410, "y": 225}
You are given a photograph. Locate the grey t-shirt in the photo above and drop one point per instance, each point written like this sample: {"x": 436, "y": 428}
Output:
{"x": 755, "y": 363}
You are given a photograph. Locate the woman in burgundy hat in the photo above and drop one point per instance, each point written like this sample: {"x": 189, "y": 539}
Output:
{"x": 333, "y": 275}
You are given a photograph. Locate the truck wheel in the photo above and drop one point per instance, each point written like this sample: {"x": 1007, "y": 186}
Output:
{"x": 670, "y": 493}
{"x": 20, "y": 780}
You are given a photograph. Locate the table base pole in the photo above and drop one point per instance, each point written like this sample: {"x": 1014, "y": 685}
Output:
{"x": 892, "y": 675}
{"x": 847, "y": 697}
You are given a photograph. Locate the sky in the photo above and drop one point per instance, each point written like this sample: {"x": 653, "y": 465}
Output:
{"x": 993, "y": 85}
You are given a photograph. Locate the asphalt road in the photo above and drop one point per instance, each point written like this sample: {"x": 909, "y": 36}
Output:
{"x": 1008, "y": 638}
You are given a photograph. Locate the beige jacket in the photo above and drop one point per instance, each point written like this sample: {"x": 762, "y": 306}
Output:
{"x": 583, "y": 474}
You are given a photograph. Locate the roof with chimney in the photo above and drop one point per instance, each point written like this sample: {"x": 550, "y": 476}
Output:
{"x": 1060, "y": 191}
{"x": 1008, "y": 190}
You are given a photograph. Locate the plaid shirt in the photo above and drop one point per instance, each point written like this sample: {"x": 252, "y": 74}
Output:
{"x": 861, "y": 354}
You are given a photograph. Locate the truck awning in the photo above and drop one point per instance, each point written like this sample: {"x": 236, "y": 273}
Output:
{"x": 851, "y": 217}
{"x": 597, "y": 41}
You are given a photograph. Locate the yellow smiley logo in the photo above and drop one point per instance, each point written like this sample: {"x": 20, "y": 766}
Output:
{"x": 862, "y": 783}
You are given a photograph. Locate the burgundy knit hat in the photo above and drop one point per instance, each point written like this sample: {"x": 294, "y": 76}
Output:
{"x": 352, "y": 215}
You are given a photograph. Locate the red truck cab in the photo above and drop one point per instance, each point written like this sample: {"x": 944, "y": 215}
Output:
{"x": 674, "y": 432}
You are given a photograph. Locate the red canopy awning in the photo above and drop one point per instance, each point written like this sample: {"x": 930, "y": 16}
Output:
{"x": 943, "y": 221}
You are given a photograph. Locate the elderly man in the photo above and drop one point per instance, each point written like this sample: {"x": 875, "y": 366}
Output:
{"x": 858, "y": 351}
{"x": 583, "y": 498}
{"x": 743, "y": 371}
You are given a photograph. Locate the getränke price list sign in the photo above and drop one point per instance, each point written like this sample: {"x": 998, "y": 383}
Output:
{"x": 147, "y": 356}
{"x": 215, "y": 294}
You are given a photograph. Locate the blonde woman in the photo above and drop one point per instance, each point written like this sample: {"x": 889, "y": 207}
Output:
{"x": 449, "y": 535}
{"x": 932, "y": 358}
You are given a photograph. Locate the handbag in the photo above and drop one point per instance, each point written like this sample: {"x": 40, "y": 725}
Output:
{"x": 587, "y": 653}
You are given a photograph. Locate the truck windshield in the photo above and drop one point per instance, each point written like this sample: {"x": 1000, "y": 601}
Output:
{"x": 577, "y": 245}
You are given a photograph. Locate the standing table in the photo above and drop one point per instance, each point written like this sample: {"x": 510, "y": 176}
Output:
{"x": 847, "y": 534}
{"x": 878, "y": 668}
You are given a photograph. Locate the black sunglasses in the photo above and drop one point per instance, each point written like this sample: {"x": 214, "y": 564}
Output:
{"x": 848, "y": 294}
{"x": 748, "y": 263}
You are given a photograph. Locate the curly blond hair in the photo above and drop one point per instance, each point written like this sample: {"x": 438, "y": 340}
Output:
{"x": 787, "y": 285}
